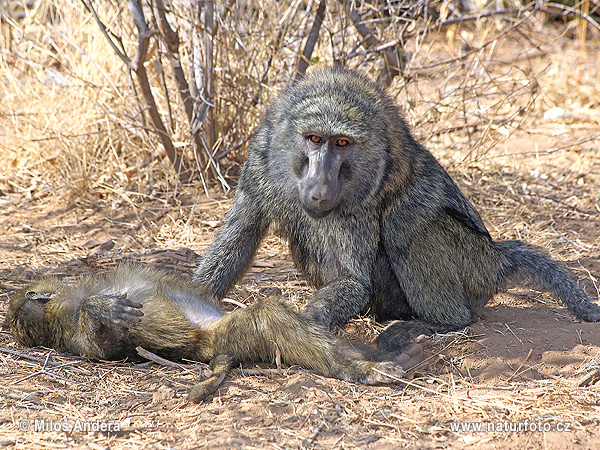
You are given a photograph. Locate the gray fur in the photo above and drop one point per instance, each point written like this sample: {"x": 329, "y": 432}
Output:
{"x": 392, "y": 234}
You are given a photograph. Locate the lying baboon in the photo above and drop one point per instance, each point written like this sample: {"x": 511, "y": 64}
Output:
{"x": 372, "y": 219}
{"x": 108, "y": 316}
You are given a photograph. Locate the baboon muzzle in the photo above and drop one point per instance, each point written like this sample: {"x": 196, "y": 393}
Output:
{"x": 320, "y": 188}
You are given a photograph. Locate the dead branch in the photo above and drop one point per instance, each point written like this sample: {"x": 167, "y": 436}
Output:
{"x": 210, "y": 132}
{"x": 394, "y": 65}
{"x": 284, "y": 24}
{"x": 564, "y": 10}
{"x": 171, "y": 39}
{"x": 88, "y": 5}
{"x": 155, "y": 358}
{"x": 137, "y": 65}
{"x": 311, "y": 40}
{"x": 45, "y": 362}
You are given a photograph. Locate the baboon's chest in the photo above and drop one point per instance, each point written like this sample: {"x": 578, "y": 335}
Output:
{"x": 325, "y": 250}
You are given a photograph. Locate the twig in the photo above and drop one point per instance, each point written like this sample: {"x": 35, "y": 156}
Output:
{"x": 574, "y": 244}
{"x": 43, "y": 371}
{"x": 215, "y": 166}
{"x": 448, "y": 396}
{"x": 393, "y": 64}
{"x": 520, "y": 365}
{"x": 117, "y": 50}
{"x": 234, "y": 147}
{"x": 478, "y": 49}
{"x": 314, "y": 434}
{"x": 551, "y": 8}
{"x": 171, "y": 39}
{"x": 137, "y": 65}
{"x": 261, "y": 371}
{"x": 155, "y": 358}
{"x": 209, "y": 125}
{"x": 513, "y": 333}
{"x": 284, "y": 24}
{"x": 80, "y": 50}
{"x": 589, "y": 379}
{"x": 269, "y": 375}
{"x": 41, "y": 361}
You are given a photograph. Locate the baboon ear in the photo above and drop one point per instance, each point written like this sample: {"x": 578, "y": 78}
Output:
{"x": 38, "y": 296}
{"x": 467, "y": 221}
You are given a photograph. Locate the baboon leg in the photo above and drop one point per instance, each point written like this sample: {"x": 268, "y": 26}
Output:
{"x": 269, "y": 326}
{"x": 437, "y": 312}
{"x": 430, "y": 270}
{"x": 220, "y": 365}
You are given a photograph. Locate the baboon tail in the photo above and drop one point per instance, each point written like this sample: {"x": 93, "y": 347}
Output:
{"x": 520, "y": 257}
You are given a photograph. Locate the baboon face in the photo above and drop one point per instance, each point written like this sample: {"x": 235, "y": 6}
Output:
{"x": 322, "y": 169}
{"x": 327, "y": 141}
{"x": 25, "y": 316}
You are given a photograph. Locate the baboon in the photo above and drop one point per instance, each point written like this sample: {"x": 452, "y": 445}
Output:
{"x": 106, "y": 317}
{"x": 372, "y": 219}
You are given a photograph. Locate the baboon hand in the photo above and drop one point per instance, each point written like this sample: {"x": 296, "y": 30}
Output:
{"x": 124, "y": 312}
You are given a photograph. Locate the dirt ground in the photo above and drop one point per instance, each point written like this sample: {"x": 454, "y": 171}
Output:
{"x": 524, "y": 376}
{"x": 526, "y": 363}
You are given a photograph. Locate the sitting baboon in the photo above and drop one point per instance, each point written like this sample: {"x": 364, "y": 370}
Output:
{"x": 372, "y": 219}
{"x": 108, "y": 316}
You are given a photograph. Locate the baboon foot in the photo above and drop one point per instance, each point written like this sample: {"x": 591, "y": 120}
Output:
{"x": 412, "y": 353}
{"x": 398, "y": 336}
{"x": 221, "y": 365}
{"x": 396, "y": 365}
{"x": 202, "y": 390}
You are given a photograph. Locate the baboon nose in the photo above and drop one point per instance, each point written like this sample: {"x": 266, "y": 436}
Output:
{"x": 320, "y": 194}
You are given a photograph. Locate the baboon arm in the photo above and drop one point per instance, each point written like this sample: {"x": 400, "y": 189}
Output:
{"x": 96, "y": 329}
{"x": 230, "y": 254}
{"x": 72, "y": 326}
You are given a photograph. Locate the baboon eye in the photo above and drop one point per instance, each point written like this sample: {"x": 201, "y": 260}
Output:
{"x": 342, "y": 142}
{"x": 315, "y": 139}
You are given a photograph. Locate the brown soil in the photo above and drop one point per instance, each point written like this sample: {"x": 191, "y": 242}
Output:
{"x": 527, "y": 362}
{"x": 524, "y": 360}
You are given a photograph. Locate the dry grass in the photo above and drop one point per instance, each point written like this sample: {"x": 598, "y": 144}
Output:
{"x": 511, "y": 106}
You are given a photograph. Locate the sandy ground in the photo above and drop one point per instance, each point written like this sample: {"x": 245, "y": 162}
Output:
{"x": 526, "y": 363}
{"x": 524, "y": 376}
